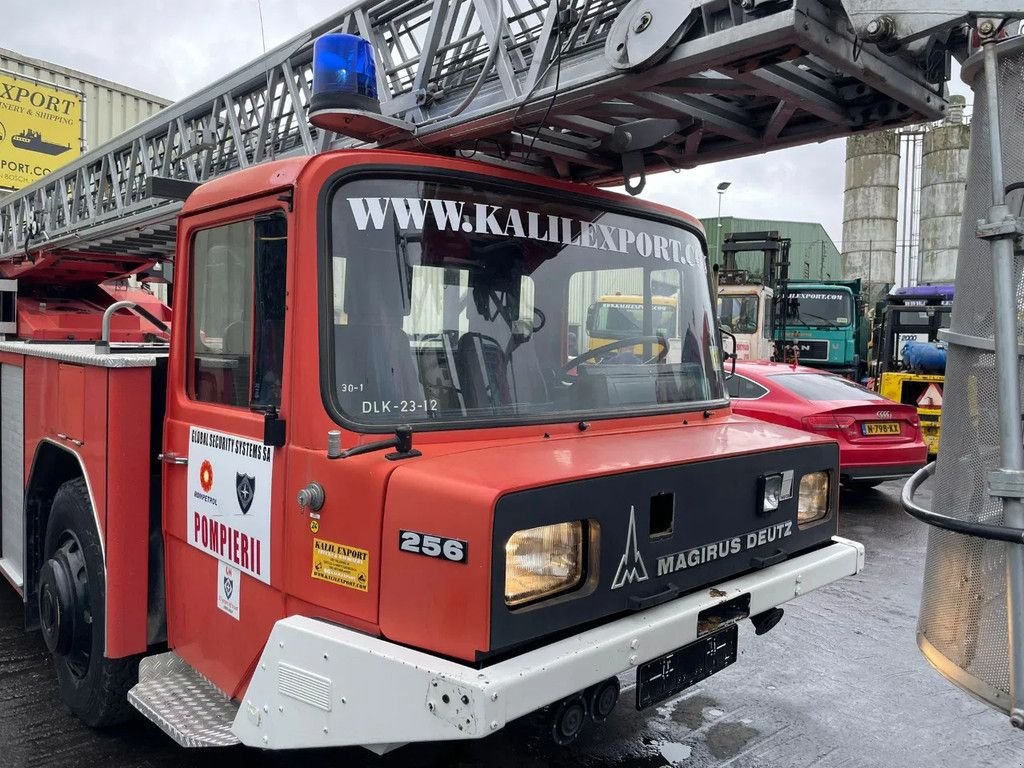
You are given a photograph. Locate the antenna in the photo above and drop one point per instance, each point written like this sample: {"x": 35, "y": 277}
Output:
{"x": 269, "y": 100}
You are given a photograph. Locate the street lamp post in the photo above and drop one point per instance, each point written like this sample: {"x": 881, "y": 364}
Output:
{"x": 722, "y": 186}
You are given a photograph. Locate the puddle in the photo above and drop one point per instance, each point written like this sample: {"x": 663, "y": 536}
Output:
{"x": 675, "y": 753}
{"x": 690, "y": 712}
{"x": 729, "y": 739}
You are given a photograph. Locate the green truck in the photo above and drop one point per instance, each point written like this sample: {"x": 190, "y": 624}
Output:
{"x": 825, "y": 326}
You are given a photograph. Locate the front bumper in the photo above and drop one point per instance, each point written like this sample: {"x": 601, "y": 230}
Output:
{"x": 321, "y": 685}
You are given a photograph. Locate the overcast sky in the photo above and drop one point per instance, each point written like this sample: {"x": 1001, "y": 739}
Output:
{"x": 174, "y": 47}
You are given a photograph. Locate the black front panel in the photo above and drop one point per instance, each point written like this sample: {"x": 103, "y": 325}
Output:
{"x": 657, "y": 534}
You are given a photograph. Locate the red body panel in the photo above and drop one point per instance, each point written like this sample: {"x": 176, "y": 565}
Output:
{"x": 87, "y": 423}
{"x": 128, "y": 499}
{"x": 856, "y": 450}
{"x": 71, "y": 406}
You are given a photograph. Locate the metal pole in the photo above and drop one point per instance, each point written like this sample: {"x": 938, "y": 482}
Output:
{"x": 1008, "y": 377}
{"x": 718, "y": 249}
{"x": 871, "y": 258}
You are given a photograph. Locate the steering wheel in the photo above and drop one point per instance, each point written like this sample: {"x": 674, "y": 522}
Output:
{"x": 629, "y": 342}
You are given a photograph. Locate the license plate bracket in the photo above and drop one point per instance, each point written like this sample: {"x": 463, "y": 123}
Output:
{"x": 660, "y": 678}
{"x": 877, "y": 428}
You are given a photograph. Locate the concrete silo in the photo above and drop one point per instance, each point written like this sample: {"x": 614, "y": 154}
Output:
{"x": 943, "y": 183}
{"x": 870, "y": 205}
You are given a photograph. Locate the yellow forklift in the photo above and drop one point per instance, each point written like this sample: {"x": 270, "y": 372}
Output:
{"x": 908, "y": 360}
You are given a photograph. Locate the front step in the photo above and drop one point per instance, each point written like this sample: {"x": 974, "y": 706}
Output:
{"x": 182, "y": 703}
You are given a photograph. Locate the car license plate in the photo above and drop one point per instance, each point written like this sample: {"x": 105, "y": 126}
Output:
{"x": 674, "y": 672}
{"x": 882, "y": 428}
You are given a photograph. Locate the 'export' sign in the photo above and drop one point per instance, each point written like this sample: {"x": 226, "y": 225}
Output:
{"x": 40, "y": 130}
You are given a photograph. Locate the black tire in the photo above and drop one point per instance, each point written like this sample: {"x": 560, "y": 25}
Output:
{"x": 94, "y": 687}
{"x": 861, "y": 485}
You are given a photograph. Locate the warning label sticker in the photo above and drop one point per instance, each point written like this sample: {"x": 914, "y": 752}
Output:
{"x": 342, "y": 565}
{"x": 229, "y": 589}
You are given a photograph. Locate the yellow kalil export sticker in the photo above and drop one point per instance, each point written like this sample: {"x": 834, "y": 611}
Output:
{"x": 341, "y": 564}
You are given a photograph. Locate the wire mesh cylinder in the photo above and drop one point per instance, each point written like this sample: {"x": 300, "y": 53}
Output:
{"x": 962, "y": 628}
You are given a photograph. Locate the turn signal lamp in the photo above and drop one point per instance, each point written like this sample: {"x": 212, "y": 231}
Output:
{"x": 344, "y": 74}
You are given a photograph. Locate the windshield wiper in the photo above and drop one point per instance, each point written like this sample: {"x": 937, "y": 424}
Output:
{"x": 829, "y": 323}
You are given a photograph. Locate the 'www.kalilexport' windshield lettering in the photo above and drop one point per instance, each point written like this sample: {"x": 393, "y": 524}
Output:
{"x": 480, "y": 218}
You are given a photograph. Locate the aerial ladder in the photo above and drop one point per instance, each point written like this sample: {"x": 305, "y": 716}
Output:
{"x": 599, "y": 91}
{"x": 602, "y": 92}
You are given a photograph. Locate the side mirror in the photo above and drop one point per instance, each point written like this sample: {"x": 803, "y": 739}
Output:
{"x": 726, "y": 354}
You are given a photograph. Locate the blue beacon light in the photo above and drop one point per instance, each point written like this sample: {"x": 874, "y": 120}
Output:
{"x": 344, "y": 75}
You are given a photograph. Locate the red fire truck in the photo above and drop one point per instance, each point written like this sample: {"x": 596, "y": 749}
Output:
{"x": 371, "y": 492}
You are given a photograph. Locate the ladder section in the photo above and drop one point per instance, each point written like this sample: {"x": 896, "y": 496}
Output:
{"x": 592, "y": 90}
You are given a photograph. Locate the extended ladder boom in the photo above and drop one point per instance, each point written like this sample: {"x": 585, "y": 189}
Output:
{"x": 591, "y": 90}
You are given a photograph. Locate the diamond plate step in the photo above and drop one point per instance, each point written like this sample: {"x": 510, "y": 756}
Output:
{"x": 182, "y": 703}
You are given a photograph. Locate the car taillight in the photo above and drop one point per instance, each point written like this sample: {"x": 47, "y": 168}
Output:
{"x": 820, "y": 422}
{"x": 829, "y": 421}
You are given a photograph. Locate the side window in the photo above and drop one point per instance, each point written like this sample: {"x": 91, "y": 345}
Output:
{"x": 238, "y": 298}
{"x": 271, "y": 241}
{"x": 741, "y": 388}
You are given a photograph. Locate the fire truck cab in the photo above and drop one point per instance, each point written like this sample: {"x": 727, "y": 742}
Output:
{"x": 363, "y": 497}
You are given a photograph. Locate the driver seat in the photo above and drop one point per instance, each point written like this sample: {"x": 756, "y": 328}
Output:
{"x": 493, "y": 379}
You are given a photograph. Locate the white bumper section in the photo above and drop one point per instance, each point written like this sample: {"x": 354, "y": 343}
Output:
{"x": 320, "y": 685}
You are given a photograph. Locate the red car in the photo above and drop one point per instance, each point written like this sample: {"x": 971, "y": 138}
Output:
{"x": 878, "y": 439}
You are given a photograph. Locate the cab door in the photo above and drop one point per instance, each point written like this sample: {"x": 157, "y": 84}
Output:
{"x": 224, "y": 456}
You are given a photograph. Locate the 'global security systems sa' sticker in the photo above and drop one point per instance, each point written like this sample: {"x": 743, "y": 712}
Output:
{"x": 342, "y": 565}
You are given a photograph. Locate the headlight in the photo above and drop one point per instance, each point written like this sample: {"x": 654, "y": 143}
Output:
{"x": 813, "y": 504}
{"x": 540, "y": 562}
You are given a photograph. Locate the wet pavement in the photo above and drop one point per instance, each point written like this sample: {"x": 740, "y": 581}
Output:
{"x": 838, "y": 683}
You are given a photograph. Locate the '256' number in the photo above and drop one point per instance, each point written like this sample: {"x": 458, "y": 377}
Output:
{"x": 433, "y": 546}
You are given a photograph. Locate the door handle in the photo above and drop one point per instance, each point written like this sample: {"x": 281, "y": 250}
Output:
{"x": 172, "y": 458}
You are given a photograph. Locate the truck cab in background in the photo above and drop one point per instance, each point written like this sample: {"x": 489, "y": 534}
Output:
{"x": 750, "y": 291}
{"x": 745, "y": 311}
{"x": 825, "y": 326}
{"x": 618, "y": 316}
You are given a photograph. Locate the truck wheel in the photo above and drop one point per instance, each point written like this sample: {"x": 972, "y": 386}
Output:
{"x": 72, "y": 610}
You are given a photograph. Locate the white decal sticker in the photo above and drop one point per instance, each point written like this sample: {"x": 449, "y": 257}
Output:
{"x": 229, "y": 589}
{"x": 800, "y": 295}
{"x": 382, "y": 213}
{"x": 229, "y": 486}
{"x": 631, "y": 567}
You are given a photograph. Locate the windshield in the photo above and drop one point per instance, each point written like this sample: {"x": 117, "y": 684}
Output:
{"x": 819, "y": 308}
{"x": 739, "y": 313}
{"x": 453, "y": 304}
{"x": 618, "y": 319}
